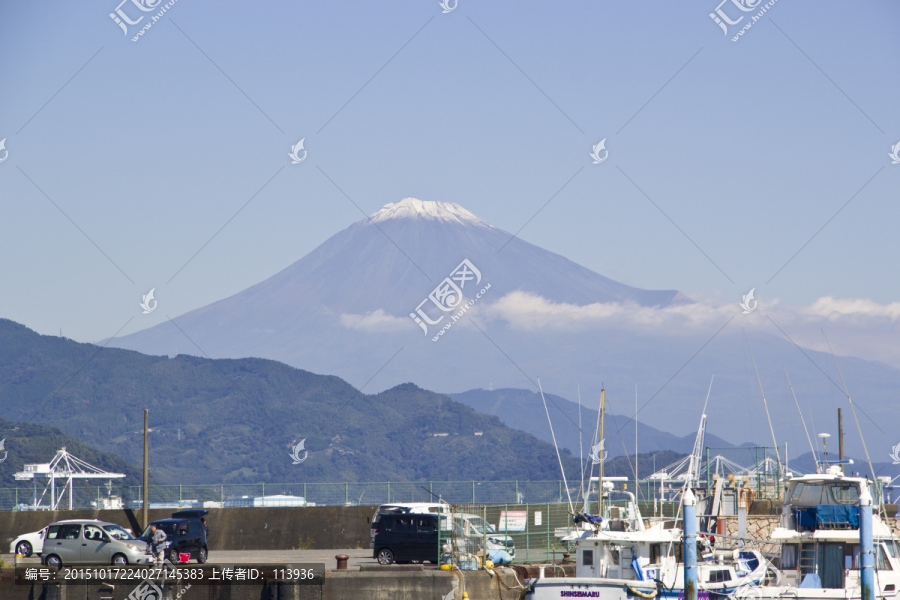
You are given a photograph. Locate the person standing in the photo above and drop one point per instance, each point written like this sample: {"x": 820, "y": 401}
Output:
{"x": 157, "y": 545}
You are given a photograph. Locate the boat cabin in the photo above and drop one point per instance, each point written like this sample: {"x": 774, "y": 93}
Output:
{"x": 819, "y": 533}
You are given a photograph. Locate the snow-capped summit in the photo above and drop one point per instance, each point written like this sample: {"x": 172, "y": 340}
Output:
{"x": 370, "y": 278}
{"x": 412, "y": 208}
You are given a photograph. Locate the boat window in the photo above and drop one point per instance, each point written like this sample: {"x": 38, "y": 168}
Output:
{"x": 810, "y": 495}
{"x": 718, "y": 576}
{"x": 654, "y": 554}
{"x": 587, "y": 558}
{"x": 854, "y": 553}
{"x": 795, "y": 496}
{"x": 881, "y": 561}
{"x": 614, "y": 557}
{"x": 844, "y": 493}
{"x": 789, "y": 556}
{"x": 891, "y": 548}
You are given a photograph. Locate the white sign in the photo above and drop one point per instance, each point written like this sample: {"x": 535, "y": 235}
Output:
{"x": 538, "y": 518}
{"x": 513, "y": 520}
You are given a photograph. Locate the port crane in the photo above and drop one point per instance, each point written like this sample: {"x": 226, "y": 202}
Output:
{"x": 64, "y": 466}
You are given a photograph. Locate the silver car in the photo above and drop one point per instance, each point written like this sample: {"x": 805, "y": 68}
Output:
{"x": 81, "y": 542}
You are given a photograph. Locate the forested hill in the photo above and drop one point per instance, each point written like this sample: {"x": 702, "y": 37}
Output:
{"x": 236, "y": 420}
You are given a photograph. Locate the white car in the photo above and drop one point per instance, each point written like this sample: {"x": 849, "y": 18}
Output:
{"x": 33, "y": 543}
{"x": 476, "y": 527}
{"x": 28, "y": 543}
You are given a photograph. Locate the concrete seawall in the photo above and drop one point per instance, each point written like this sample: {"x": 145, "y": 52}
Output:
{"x": 310, "y": 527}
{"x": 375, "y": 583}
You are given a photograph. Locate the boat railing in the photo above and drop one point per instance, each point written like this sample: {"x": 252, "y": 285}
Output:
{"x": 767, "y": 548}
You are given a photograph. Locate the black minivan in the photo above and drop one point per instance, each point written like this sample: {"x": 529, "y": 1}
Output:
{"x": 404, "y": 537}
{"x": 184, "y": 535}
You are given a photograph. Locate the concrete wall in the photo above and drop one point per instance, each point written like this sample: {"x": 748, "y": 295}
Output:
{"x": 311, "y": 527}
{"x": 388, "y": 583}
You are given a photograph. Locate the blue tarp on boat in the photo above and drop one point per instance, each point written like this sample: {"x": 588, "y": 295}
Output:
{"x": 837, "y": 516}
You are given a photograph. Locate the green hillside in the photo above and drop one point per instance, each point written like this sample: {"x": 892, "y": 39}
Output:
{"x": 235, "y": 421}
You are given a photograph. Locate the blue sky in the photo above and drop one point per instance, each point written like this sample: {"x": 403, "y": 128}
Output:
{"x": 151, "y": 147}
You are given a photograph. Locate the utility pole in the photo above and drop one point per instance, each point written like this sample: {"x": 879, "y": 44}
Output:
{"x": 841, "y": 437}
{"x": 145, "y": 518}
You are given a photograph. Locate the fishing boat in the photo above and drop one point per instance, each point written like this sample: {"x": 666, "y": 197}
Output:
{"x": 820, "y": 536}
{"x": 619, "y": 556}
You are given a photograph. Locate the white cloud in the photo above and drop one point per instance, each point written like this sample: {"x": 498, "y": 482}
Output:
{"x": 375, "y": 322}
{"x": 525, "y": 310}
{"x": 834, "y": 309}
{"x": 855, "y": 327}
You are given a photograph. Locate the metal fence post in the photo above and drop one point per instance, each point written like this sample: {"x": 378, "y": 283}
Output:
{"x": 707, "y": 469}
{"x": 517, "y": 491}
{"x": 346, "y": 493}
{"x": 473, "y": 491}
{"x": 756, "y": 468}
{"x": 222, "y": 493}
{"x": 548, "y": 530}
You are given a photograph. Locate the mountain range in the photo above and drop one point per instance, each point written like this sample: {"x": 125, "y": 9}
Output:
{"x": 360, "y": 306}
{"x": 237, "y": 420}
{"x": 523, "y": 409}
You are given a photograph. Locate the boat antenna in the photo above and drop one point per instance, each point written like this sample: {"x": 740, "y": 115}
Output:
{"x": 580, "y": 443}
{"x": 809, "y": 439}
{"x": 852, "y": 408}
{"x": 697, "y": 452}
{"x": 594, "y": 441}
{"x": 558, "y": 457}
{"x": 766, "y": 404}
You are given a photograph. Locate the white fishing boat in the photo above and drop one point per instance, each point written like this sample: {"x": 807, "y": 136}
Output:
{"x": 621, "y": 557}
{"x": 820, "y": 536}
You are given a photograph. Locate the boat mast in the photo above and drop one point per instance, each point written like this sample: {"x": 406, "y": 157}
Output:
{"x": 600, "y": 478}
{"x": 766, "y": 405}
{"x": 808, "y": 439}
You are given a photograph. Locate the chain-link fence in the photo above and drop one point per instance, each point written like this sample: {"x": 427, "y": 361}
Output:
{"x": 287, "y": 494}
{"x": 516, "y": 532}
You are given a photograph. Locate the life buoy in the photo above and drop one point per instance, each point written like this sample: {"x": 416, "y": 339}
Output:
{"x": 637, "y": 592}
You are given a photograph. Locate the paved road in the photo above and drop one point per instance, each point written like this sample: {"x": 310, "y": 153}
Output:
{"x": 357, "y": 557}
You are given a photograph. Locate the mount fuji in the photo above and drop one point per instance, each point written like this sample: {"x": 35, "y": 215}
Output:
{"x": 369, "y": 277}
{"x": 356, "y": 307}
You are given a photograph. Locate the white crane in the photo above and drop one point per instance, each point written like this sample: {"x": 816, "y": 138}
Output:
{"x": 63, "y": 466}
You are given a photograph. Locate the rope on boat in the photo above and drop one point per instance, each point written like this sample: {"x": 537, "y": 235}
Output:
{"x": 638, "y": 592}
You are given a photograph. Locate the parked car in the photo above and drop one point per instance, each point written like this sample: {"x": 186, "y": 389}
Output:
{"x": 28, "y": 543}
{"x": 33, "y": 543}
{"x": 407, "y": 537}
{"x": 418, "y": 508}
{"x": 88, "y": 541}
{"x": 184, "y": 535}
{"x": 474, "y": 526}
